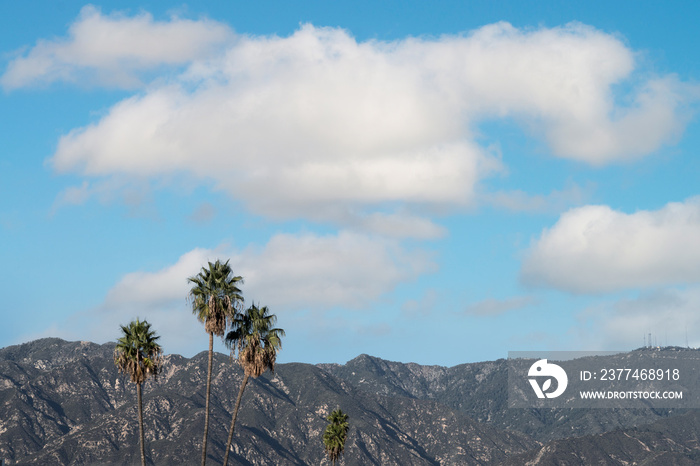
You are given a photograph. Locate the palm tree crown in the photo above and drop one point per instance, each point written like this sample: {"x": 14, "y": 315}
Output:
{"x": 335, "y": 435}
{"x": 256, "y": 340}
{"x": 137, "y": 353}
{"x": 215, "y": 296}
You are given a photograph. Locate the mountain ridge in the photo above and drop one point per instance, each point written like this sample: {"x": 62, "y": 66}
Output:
{"x": 64, "y": 403}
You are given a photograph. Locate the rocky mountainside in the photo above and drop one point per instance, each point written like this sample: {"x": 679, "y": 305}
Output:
{"x": 64, "y": 403}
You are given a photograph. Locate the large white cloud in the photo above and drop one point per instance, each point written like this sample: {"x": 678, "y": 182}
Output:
{"x": 317, "y": 121}
{"x": 112, "y": 50}
{"x": 595, "y": 249}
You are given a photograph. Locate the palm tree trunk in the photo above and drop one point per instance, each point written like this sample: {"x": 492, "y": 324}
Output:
{"x": 143, "y": 450}
{"x": 235, "y": 415}
{"x": 206, "y": 408}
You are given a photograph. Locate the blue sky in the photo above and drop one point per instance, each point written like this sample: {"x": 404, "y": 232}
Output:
{"x": 437, "y": 182}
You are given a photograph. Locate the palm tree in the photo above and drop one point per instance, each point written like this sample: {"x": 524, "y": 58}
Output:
{"x": 138, "y": 355}
{"x": 257, "y": 343}
{"x": 215, "y": 300}
{"x": 335, "y": 435}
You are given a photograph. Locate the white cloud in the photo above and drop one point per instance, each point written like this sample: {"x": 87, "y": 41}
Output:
{"x": 321, "y": 272}
{"x": 595, "y": 249}
{"x": 112, "y": 50}
{"x": 315, "y": 122}
{"x": 290, "y": 274}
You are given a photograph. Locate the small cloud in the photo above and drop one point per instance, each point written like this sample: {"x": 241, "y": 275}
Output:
{"x": 378, "y": 330}
{"x": 422, "y": 307}
{"x": 554, "y": 202}
{"x": 135, "y": 194}
{"x": 75, "y": 195}
{"x": 403, "y": 226}
{"x": 204, "y": 213}
{"x": 535, "y": 340}
{"x": 112, "y": 50}
{"x": 492, "y": 307}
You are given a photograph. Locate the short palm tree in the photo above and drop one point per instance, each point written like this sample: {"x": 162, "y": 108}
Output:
{"x": 139, "y": 356}
{"x": 215, "y": 299}
{"x": 335, "y": 435}
{"x": 257, "y": 343}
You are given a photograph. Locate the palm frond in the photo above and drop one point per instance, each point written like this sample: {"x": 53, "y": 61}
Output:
{"x": 137, "y": 353}
{"x": 215, "y": 296}
{"x": 257, "y": 342}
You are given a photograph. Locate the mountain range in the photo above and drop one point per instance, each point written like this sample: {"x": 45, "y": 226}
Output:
{"x": 64, "y": 403}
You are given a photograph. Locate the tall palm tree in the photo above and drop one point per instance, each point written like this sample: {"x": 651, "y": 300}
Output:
{"x": 139, "y": 356}
{"x": 335, "y": 435}
{"x": 215, "y": 299}
{"x": 257, "y": 343}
